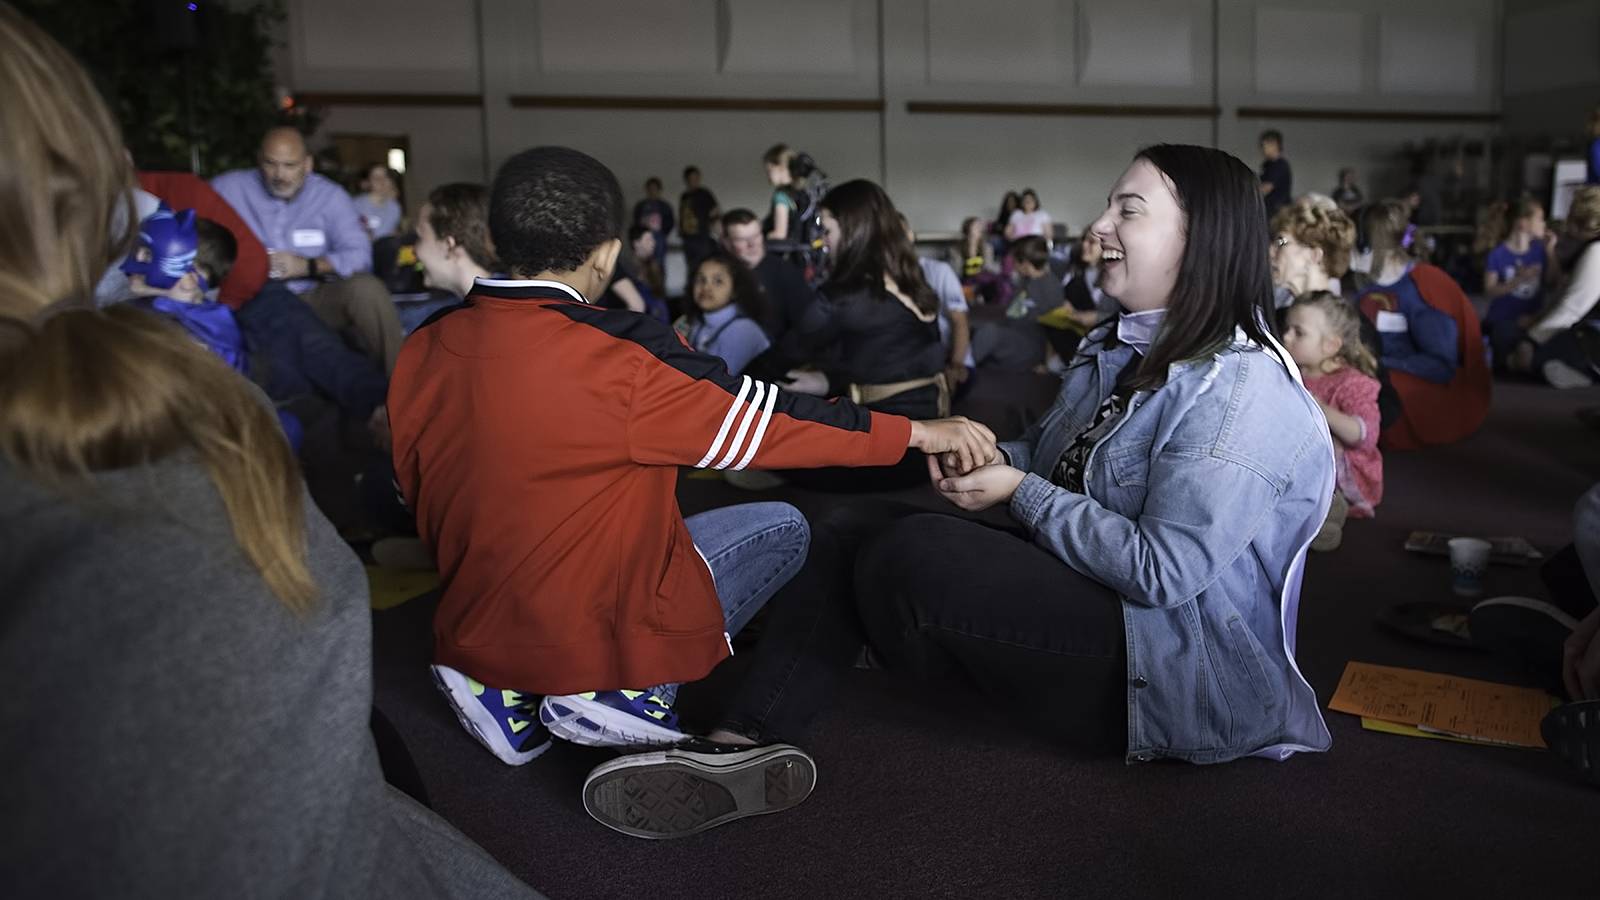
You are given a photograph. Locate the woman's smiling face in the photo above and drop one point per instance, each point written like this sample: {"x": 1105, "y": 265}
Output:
{"x": 1142, "y": 232}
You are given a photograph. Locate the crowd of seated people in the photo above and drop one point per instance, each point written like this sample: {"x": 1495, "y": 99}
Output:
{"x": 223, "y": 335}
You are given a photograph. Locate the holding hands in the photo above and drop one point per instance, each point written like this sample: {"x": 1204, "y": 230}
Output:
{"x": 978, "y": 489}
{"x": 963, "y": 443}
{"x": 964, "y": 462}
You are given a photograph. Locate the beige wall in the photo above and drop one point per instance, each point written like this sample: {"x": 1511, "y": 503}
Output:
{"x": 1552, "y": 66}
{"x": 1401, "y": 55}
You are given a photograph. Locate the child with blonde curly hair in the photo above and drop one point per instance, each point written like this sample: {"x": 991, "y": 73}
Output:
{"x": 1324, "y": 337}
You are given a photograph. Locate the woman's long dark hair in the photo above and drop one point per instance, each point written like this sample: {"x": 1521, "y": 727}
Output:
{"x": 872, "y": 244}
{"x": 747, "y": 294}
{"x": 1225, "y": 280}
{"x": 1008, "y": 203}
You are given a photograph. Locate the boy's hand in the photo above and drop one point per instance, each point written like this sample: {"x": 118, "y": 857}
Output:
{"x": 185, "y": 290}
{"x": 964, "y": 443}
{"x": 977, "y": 490}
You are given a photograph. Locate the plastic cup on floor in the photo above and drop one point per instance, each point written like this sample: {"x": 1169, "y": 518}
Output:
{"x": 1469, "y": 560}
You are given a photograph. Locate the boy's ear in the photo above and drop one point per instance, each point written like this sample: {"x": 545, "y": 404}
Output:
{"x": 603, "y": 260}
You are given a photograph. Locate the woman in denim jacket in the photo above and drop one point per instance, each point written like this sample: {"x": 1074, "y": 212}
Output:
{"x": 1164, "y": 503}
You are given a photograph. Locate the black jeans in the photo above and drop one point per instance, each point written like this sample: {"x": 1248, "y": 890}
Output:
{"x": 910, "y": 471}
{"x": 303, "y": 356}
{"x": 938, "y": 595}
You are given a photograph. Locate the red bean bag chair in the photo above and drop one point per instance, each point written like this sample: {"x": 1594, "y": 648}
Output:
{"x": 1434, "y": 414}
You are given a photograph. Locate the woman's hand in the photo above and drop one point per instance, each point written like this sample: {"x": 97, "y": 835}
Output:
{"x": 977, "y": 490}
{"x": 965, "y": 444}
{"x": 803, "y": 381}
{"x": 1580, "y": 659}
{"x": 955, "y": 373}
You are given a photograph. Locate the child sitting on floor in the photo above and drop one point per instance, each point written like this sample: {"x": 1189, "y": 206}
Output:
{"x": 174, "y": 263}
{"x": 1324, "y": 337}
{"x": 725, "y": 315}
{"x": 176, "y": 259}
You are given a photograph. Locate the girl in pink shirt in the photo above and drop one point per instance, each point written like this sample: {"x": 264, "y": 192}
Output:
{"x": 1323, "y": 334}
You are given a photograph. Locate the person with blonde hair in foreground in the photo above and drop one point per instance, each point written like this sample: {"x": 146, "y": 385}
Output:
{"x": 187, "y": 640}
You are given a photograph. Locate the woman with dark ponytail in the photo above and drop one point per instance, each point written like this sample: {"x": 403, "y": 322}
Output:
{"x": 873, "y": 333}
{"x": 187, "y": 640}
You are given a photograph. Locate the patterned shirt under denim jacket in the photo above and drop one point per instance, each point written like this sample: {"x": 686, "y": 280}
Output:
{"x": 1199, "y": 505}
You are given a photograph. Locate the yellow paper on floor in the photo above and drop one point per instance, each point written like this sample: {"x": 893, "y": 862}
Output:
{"x": 1372, "y": 724}
{"x": 1465, "y": 708}
{"x": 392, "y": 587}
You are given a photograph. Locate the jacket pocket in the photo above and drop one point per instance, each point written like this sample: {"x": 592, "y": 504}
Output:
{"x": 685, "y": 598}
{"x": 1130, "y": 467}
{"x": 1248, "y": 658}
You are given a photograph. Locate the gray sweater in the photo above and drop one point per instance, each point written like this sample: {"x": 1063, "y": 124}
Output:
{"x": 172, "y": 730}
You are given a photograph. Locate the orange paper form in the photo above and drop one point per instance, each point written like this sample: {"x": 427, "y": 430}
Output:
{"x": 1463, "y": 707}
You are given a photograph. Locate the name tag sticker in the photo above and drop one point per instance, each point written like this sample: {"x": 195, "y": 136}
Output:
{"x": 308, "y": 237}
{"x": 1392, "y": 322}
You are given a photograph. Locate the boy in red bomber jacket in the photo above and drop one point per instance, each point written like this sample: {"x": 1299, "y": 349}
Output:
{"x": 537, "y": 438}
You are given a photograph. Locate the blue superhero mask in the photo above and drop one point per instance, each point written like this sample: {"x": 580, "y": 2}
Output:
{"x": 165, "y": 250}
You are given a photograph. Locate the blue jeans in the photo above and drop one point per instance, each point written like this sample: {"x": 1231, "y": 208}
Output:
{"x": 752, "y": 550}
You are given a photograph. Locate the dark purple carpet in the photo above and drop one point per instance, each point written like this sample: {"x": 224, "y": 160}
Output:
{"x": 928, "y": 793}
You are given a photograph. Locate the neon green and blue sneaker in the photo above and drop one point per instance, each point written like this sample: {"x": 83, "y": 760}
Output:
{"x": 611, "y": 719}
{"x": 501, "y": 720}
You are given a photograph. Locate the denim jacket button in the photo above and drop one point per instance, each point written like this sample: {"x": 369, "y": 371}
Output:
{"x": 1139, "y": 682}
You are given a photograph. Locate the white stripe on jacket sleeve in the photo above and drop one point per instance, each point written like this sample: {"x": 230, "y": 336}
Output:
{"x": 744, "y": 425}
{"x": 761, "y": 429}
{"x": 727, "y": 422}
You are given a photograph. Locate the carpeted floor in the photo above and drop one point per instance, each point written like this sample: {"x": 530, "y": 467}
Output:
{"x": 928, "y": 793}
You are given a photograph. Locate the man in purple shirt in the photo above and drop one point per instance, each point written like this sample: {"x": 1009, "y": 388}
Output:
{"x": 315, "y": 243}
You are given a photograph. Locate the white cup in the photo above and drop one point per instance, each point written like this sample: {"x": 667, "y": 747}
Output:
{"x": 1469, "y": 560}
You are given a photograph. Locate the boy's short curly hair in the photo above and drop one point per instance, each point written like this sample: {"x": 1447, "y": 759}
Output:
{"x": 1316, "y": 225}
{"x": 550, "y": 207}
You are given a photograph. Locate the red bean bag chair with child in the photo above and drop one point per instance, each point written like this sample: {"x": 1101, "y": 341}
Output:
{"x": 181, "y": 190}
{"x": 1434, "y": 414}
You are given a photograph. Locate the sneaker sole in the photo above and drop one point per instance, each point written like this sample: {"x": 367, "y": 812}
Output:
{"x": 1564, "y": 377}
{"x": 579, "y": 721}
{"x": 1572, "y": 733}
{"x": 676, "y": 793}
{"x": 477, "y": 721}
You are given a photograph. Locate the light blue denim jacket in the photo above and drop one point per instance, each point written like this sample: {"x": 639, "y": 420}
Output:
{"x": 1200, "y": 505}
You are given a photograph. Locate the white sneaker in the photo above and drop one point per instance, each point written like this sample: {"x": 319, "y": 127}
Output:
{"x": 1560, "y": 375}
{"x": 611, "y": 719}
{"x": 502, "y": 721}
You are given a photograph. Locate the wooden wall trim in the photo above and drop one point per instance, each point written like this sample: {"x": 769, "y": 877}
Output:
{"x": 721, "y": 104}
{"x": 921, "y": 107}
{"x": 343, "y": 98}
{"x": 1058, "y": 109}
{"x": 1364, "y": 115}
